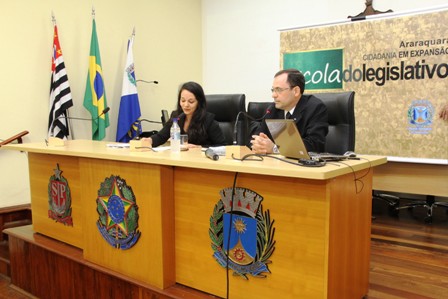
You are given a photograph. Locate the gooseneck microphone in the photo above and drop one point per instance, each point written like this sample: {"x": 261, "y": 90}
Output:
{"x": 178, "y": 117}
{"x": 78, "y": 118}
{"x": 82, "y": 118}
{"x": 209, "y": 153}
{"x": 54, "y": 140}
{"x": 139, "y": 123}
{"x": 149, "y": 121}
{"x": 235, "y": 128}
{"x": 150, "y": 82}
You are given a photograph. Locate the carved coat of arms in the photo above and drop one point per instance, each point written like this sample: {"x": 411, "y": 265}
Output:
{"x": 242, "y": 234}
{"x": 59, "y": 199}
{"x": 118, "y": 213}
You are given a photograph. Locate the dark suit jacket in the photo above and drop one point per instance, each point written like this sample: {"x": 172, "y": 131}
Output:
{"x": 214, "y": 135}
{"x": 311, "y": 118}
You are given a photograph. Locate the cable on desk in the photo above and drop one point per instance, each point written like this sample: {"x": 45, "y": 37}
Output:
{"x": 358, "y": 179}
{"x": 145, "y": 147}
{"x": 249, "y": 157}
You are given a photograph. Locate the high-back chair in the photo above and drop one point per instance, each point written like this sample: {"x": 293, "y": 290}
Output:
{"x": 341, "y": 119}
{"x": 226, "y": 107}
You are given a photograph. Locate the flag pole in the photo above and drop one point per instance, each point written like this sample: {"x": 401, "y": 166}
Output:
{"x": 59, "y": 107}
{"x": 93, "y": 12}
{"x": 67, "y": 112}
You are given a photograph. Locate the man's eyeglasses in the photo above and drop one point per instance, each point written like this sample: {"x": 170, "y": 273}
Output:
{"x": 279, "y": 90}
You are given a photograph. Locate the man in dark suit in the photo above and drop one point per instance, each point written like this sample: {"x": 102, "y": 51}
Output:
{"x": 309, "y": 114}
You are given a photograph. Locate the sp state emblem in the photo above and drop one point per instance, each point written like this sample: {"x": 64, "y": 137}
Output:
{"x": 59, "y": 198}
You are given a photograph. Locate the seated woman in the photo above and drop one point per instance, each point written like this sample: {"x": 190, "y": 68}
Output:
{"x": 200, "y": 126}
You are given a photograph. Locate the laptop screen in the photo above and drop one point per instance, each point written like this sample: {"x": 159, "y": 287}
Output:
{"x": 287, "y": 138}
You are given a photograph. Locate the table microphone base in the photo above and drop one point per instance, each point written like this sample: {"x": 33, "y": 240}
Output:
{"x": 139, "y": 145}
{"x": 55, "y": 141}
{"x": 237, "y": 151}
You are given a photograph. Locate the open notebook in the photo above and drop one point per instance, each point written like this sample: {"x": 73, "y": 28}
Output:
{"x": 290, "y": 143}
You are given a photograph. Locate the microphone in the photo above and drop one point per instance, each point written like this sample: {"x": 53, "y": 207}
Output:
{"x": 57, "y": 141}
{"x": 180, "y": 115}
{"x": 235, "y": 129}
{"x": 209, "y": 153}
{"x": 150, "y": 121}
{"x": 137, "y": 137}
{"x": 82, "y": 118}
{"x": 139, "y": 124}
{"x": 150, "y": 82}
{"x": 106, "y": 110}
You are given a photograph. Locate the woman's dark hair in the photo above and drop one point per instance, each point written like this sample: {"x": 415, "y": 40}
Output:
{"x": 197, "y": 134}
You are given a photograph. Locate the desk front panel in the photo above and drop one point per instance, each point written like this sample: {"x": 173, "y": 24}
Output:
{"x": 151, "y": 259}
{"x": 300, "y": 211}
{"x": 42, "y": 168}
{"x": 322, "y": 235}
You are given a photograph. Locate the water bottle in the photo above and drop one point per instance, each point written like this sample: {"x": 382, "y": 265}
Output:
{"x": 175, "y": 136}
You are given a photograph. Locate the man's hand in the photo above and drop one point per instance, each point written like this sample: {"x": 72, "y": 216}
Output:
{"x": 261, "y": 144}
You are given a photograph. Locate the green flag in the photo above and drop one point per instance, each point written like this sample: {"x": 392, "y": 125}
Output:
{"x": 95, "y": 95}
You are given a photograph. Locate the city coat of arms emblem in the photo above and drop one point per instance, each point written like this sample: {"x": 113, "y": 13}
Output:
{"x": 242, "y": 234}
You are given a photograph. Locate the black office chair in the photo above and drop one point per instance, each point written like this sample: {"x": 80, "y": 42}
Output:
{"x": 429, "y": 203}
{"x": 165, "y": 117}
{"x": 257, "y": 109}
{"x": 341, "y": 133}
{"x": 341, "y": 119}
{"x": 226, "y": 107}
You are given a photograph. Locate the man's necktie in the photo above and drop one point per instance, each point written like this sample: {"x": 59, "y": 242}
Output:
{"x": 288, "y": 115}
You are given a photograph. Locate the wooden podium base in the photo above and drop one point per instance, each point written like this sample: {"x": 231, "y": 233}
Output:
{"x": 47, "y": 268}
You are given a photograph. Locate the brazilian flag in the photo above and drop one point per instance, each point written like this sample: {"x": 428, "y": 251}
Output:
{"x": 95, "y": 96}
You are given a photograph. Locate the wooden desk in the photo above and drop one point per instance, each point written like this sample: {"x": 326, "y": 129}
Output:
{"x": 412, "y": 178}
{"x": 321, "y": 218}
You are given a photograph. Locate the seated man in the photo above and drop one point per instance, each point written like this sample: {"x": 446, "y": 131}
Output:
{"x": 309, "y": 114}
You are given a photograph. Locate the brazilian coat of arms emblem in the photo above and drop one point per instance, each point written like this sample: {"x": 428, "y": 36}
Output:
{"x": 242, "y": 234}
{"x": 118, "y": 213}
{"x": 59, "y": 198}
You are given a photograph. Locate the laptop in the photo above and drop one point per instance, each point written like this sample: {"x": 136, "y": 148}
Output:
{"x": 290, "y": 144}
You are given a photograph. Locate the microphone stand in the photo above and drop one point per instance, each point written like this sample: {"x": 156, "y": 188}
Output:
{"x": 150, "y": 121}
{"x": 248, "y": 116}
{"x": 137, "y": 137}
{"x": 69, "y": 124}
{"x": 236, "y": 151}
